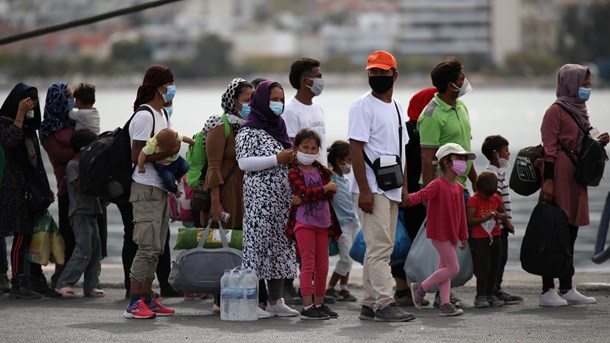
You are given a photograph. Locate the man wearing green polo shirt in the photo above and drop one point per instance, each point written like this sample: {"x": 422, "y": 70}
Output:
{"x": 445, "y": 120}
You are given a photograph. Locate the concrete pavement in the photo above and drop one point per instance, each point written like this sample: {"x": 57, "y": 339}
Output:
{"x": 100, "y": 320}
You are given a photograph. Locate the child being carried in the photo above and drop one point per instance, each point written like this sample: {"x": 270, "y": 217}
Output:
{"x": 172, "y": 168}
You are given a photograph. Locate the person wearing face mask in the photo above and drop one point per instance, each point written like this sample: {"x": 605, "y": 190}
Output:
{"x": 55, "y": 134}
{"x": 561, "y": 135}
{"x": 446, "y": 223}
{"x": 265, "y": 154}
{"x": 223, "y": 178}
{"x": 446, "y": 120}
{"x": 148, "y": 199}
{"x": 340, "y": 160}
{"x": 23, "y": 166}
{"x": 376, "y": 132}
{"x": 301, "y": 113}
{"x": 495, "y": 149}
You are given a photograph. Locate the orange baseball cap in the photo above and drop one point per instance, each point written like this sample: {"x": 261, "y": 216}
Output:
{"x": 382, "y": 60}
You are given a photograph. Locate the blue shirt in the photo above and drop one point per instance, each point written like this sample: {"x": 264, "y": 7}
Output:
{"x": 343, "y": 202}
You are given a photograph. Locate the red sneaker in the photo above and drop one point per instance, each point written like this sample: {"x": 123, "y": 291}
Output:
{"x": 138, "y": 310}
{"x": 155, "y": 306}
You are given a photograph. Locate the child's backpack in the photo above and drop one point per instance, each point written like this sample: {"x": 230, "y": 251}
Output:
{"x": 197, "y": 158}
{"x": 105, "y": 167}
{"x": 546, "y": 248}
{"x": 525, "y": 178}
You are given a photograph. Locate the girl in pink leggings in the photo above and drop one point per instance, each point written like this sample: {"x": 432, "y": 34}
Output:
{"x": 311, "y": 220}
{"x": 446, "y": 223}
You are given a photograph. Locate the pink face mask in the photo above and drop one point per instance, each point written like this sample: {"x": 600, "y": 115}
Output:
{"x": 459, "y": 166}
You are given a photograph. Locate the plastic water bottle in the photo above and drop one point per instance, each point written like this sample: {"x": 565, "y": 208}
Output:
{"x": 226, "y": 296}
{"x": 250, "y": 299}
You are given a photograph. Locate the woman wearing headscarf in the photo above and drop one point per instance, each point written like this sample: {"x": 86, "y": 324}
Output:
{"x": 559, "y": 130}
{"x": 223, "y": 178}
{"x": 265, "y": 154}
{"x": 19, "y": 121}
{"x": 55, "y": 134}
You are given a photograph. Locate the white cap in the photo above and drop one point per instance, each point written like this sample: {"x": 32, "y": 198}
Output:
{"x": 453, "y": 148}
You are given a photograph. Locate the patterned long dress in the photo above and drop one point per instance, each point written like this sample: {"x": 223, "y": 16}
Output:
{"x": 267, "y": 199}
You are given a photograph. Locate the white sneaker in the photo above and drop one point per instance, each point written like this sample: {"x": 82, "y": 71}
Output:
{"x": 573, "y": 297}
{"x": 215, "y": 309}
{"x": 262, "y": 314}
{"x": 281, "y": 310}
{"x": 550, "y": 298}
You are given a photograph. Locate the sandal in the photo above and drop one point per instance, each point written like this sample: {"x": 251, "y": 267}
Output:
{"x": 66, "y": 292}
{"x": 96, "y": 293}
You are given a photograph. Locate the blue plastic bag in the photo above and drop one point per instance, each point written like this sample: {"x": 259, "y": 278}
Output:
{"x": 402, "y": 245}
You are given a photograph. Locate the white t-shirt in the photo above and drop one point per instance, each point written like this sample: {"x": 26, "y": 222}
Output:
{"x": 375, "y": 123}
{"x": 300, "y": 116}
{"x": 139, "y": 129}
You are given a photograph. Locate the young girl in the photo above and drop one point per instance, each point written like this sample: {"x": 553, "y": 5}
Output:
{"x": 446, "y": 223}
{"x": 311, "y": 222}
{"x": 340, "y": 159}
{"x": 485, "y": 207}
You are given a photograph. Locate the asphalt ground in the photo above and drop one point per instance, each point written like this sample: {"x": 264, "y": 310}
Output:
{"x": 100, "y": 320}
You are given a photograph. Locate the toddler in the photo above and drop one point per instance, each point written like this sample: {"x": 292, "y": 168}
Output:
{"x": 171, "y": 169}
{"x": 484, "y": 209}
{"x": 86, "y": 116}
{"x": 446, "y": 223}
{"x": 340, "y": 159}
{"x": 311, "y": 222}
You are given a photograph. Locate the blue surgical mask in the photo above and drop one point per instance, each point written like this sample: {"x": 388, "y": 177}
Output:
{"x": 169, "y": 95}
{"x": 276, "y": 107}
{"x": 245, "y": 110}
{"x": 584, "y": 93}
{"x": 169, "y": 110}
{"x": 71, "y": 103}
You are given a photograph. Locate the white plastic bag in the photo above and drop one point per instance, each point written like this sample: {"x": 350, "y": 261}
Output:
{"x": 423, "y": 258}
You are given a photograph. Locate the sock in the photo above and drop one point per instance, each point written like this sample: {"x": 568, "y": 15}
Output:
{"x": 134, "y": 298}
{"x": 342, "y": 287}
{"x": 147, "y": 297}
{"x": 403, "y": 293}
{"x": 307, "y": 307}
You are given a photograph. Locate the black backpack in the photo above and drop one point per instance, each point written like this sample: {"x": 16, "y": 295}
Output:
{"x": 105, "y": 167}
{"x": 591, "y": 157}
{"x": 546, "y": 248}
{"x": 525, "y": 178}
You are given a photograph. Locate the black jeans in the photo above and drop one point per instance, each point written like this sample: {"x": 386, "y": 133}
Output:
{"x": 565, "y": 282}
{"x": 486, "y": 262}
{"x": 503, "y": 258}
{"x": 130, "y": 248}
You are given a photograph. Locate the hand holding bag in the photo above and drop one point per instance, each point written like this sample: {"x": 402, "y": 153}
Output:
{"x": 423, "y": 260}
{"x": 199, "y": 270}
{"x": 202, "y": 199}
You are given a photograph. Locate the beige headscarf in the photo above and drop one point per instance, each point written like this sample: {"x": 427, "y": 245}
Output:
{"x": 569, "y": 78}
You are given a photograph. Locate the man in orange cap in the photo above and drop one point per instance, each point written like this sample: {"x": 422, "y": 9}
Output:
{"x": 377, "y": 133}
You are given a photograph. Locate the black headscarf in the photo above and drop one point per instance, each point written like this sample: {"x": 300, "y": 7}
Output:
{"x": 11, "y": 104}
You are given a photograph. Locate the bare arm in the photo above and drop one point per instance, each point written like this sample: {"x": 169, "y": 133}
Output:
{"x": 472, "y": 220}
{"x": 427, "y": 170}
{"x": 137, "y": 146}
{"x": 365, "y": 199}
{"x": 472, "y": 176}
{"x": 188, "y": 140}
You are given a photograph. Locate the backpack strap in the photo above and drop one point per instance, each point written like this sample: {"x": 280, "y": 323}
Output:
{"x": 569, "y": 152}
{"x": 225, "y": 120}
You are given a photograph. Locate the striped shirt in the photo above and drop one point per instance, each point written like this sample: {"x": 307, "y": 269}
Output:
{"x": 502, "y": 189}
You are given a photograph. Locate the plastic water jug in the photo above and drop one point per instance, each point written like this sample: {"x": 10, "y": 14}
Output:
{"x": 239, "y": 295}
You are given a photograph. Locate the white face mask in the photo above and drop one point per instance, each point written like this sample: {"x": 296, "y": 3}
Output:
{"x": 29, "y": 114}
{"x": 306, "y": 159}
{"x": 317, "y": 86}
{"x": 466, "y": 88}
{"x": 503, "y": 163}
{"x": 488, "y": 226}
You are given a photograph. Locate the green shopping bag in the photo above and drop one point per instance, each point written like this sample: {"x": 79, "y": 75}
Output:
{"x": 39, "y": 251}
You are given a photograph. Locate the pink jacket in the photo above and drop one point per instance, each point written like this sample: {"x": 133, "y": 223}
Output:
{"x": 559, "y": 127}
{"x": 446, "y": 214}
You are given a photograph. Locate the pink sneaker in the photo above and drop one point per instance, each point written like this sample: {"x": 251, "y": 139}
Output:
{"x": 155, "y": 306}
{"x": 138, "y": 310}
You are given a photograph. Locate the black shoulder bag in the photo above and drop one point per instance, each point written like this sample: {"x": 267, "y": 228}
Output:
{"x": 591, "y": 157}
{"x": 389, "y": 177}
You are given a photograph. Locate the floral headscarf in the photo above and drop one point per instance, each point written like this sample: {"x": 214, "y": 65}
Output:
{"x": 55, "y": 111}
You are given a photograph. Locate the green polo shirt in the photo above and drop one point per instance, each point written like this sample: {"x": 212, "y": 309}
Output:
{"x": 441, "y": 123}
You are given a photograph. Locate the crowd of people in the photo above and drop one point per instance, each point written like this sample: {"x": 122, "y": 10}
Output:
{"x": 270, "y": 168}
